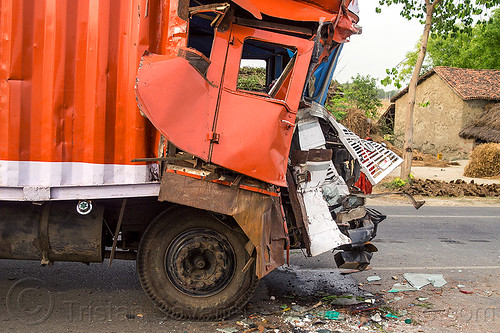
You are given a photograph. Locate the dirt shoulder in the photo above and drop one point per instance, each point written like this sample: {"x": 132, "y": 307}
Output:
{"x": 446, "y": 174}
{"x": 396, "y": 200}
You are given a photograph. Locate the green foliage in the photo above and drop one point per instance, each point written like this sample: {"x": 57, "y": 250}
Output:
{"x": 452, "y": 26}
{"x": 338, "y": 106}
{"x": 424, "y": 104}
{"x": 477, "y": 49}
{"x": 396, "y": 183}
{"x": 381, "y": 93}
{"x": 252, "y": 79}
{"x": 450, "y": 16}
{"x": 361, "y": 93}
{"x": 401, "y": 74}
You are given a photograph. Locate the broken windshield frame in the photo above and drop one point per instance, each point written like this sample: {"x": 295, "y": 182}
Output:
{"x": 282, "y": 78}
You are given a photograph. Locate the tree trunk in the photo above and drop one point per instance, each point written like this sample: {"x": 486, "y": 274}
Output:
{"x": 412, "y": 90}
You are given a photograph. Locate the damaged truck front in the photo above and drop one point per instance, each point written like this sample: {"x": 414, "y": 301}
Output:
{"x": 269, "y": 159}
{"x": 230, "y": 178}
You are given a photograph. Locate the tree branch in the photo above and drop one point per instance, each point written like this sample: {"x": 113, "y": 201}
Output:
{"x": 434, "y": 3}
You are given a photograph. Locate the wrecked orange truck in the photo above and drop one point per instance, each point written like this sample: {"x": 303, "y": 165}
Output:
{"x": 125, "y": 133}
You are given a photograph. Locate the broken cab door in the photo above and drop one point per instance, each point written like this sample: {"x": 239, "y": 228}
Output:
{"x": 254, "y": 122}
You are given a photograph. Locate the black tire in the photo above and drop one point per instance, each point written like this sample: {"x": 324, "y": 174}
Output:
{"x": 190, "y": 265}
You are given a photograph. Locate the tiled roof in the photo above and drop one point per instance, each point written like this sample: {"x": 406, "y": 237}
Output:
{"x": 469, "y": 84}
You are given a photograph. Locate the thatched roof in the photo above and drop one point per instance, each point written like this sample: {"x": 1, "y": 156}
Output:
{"x": 469, "y": 84}
{"x": 486, "y": 127}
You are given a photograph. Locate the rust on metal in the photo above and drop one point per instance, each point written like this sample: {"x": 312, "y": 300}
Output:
{"x": 36, "y": 232}
{"x": 117, "y": 231}
{"x": 258, "y": 215}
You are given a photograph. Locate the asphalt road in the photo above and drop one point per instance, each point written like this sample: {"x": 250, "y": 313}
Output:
{"x": 431, "y": 237}
{"x": 459, "y": 242}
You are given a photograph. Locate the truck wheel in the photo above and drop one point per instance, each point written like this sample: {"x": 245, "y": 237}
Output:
{"x": 191, "y": 265}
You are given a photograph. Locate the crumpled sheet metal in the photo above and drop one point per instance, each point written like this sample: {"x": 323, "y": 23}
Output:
{"x": 172, "y": 94}
{"x": 253, "y": 131}
{"x": 258, "y": 215}
{"x": 323, "y": 232}
{"x": 292, "y": 10}
{"x": 311, "y": 11}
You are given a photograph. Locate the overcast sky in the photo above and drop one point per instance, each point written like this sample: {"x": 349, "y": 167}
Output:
{"x": 383, "y": 44}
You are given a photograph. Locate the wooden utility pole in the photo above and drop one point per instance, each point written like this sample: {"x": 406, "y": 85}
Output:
{"x": 412, "y": 92}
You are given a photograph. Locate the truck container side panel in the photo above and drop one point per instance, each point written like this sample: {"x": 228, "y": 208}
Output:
{"x": 68, "y": 112}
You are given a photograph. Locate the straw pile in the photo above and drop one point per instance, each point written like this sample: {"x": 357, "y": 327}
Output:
{"x": 357, "y": 122}
{"x": 486, "y": 127}
{"x": 484, "y": 162}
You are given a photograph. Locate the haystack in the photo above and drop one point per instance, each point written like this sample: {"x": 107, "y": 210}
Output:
{"x": 357, "y": 121}
{"x": 486, "y": 128}
{"x": 484, "y": 162}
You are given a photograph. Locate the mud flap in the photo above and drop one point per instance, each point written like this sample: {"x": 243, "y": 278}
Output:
{"x": 258, "y": 214}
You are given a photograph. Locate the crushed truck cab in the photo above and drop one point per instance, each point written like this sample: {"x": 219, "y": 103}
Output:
{"x": 140, "y": 140}
{"x": 244, "y": 138}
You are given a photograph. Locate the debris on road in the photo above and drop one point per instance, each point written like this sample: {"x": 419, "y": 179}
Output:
{"x": 420, "y": 280}
{"x": 332, "y": 315}
{"x": 397, "y": 287}
{"x": 390, "y": 315}
{"x": 346, "y": 299}
{"x": 373, "y": 278}
{"x": 228, "y": 330}
{"x": 376, "y": 318}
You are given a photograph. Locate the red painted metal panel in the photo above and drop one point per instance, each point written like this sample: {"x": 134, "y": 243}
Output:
{"x": 178, "y": 100}
{"x": 256, "y": 131}
{"x": 177, "y": 106}
{"x": 307, "y": 10}
{"x": 253, "y": 139}
{"x": 67, "y": 76}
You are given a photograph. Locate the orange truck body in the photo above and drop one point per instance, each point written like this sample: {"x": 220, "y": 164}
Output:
{"x": 68, "y": 109}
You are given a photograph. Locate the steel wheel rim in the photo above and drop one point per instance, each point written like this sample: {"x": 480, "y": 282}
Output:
{"x": 200, "y": 262}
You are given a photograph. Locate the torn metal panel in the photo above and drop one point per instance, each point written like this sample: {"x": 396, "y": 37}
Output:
{"x": 355, "y": 259}
{"x": 353, "y": 214}
{"x": 259, "y": 215}
{"x": 299, "y": 210}
{"x": 322, "y": 10}
{"x": 186, "y": 93}
{"x": 323, "y": 232}
{"x": 314, "y": 178}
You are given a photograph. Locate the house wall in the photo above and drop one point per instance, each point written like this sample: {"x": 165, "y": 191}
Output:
{"x": 437, "y": 125}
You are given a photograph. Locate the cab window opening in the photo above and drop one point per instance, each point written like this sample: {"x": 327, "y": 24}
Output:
{"x": 266, "y": 68}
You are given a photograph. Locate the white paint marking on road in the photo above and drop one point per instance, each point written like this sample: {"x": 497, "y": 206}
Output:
{"x": 435, "y": 268}
{"x": 449, "y": 216}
